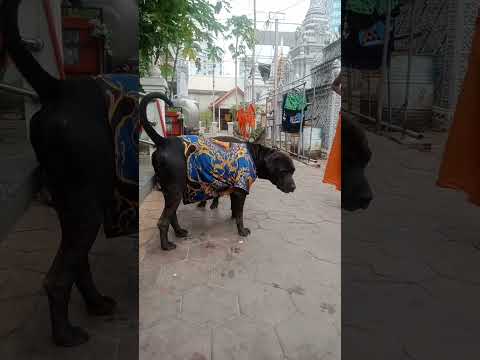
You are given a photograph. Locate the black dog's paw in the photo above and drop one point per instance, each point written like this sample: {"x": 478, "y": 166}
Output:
{"x": 104, "y": 306}
{"x": 244, "y": 232}
{"x": 202, "y": 204}
{"x": 182, "y": 233}
{"x": 169, "y": 246}
{"x": 71, "y": 336}
{"x": 214, "y": 205}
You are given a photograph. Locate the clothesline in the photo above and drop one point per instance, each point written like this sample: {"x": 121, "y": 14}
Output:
{"x": 270, "y": 93}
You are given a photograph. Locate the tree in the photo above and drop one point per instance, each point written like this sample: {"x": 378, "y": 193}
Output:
{"x": 241, "y": 30}
{"x": 173, "y": 28}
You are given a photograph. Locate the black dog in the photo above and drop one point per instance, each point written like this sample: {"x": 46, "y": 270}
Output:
{"x": 170, "y": 166}
{"x": 74, "y": 145}
{"x": 356, "y": 154}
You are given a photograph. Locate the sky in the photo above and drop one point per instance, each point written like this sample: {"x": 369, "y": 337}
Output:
{"x": 295, "y": 11}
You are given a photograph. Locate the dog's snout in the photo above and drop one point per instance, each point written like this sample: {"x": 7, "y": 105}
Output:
{"x": 365, "y": 200}
{"x": 293, "y": 187}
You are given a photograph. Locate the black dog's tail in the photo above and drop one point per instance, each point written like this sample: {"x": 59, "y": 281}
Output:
{"x": 152, "y": 134}
{"x": 42, "y": 82}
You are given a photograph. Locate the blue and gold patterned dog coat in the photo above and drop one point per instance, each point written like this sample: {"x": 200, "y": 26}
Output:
{"x": 121, "y": 96}
{"x": 216, "y": 168}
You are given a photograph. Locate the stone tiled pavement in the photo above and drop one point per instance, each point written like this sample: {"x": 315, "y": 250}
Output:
{"x": 411, "y": 263}
{"x": 25, "y": 256}
{"x": 273, "y": 295}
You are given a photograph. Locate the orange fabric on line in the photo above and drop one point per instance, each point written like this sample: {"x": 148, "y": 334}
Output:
{"x": 246, "y": 120}
{"x": 241, "y": 118}
{"x": 251, "y": 116}
{"x": 460, "y": 167}
{"x": 333, "y": 170}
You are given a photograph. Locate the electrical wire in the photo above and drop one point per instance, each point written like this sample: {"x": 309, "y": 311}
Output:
{"x": 291, "y": 6}
{"x": 270, "y": 92}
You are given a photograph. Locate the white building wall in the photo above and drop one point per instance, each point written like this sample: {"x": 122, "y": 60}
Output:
{"x": 203, "y": 100}
{"x": 33, "y": 25}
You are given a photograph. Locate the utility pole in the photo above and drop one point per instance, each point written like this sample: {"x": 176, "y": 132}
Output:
{"x": 245, "y": 76}
{"x": 213, "y": 95}
{"x": 275, "y": 81}
{"x": 254, "y": 45}
{"x": 275, "y": 85}
{"x": 381, "y": 85}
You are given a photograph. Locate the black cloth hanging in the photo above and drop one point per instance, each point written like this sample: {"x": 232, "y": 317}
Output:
{"x": 291, "y": 119}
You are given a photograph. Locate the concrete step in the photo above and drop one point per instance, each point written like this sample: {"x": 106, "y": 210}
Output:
{"x": 19, "y": 181}
{"x": 146, "y": 174}
{"x": 13, "y": 127}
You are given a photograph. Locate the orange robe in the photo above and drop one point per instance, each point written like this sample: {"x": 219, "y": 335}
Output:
{"x": 460, "y": 168}
{"x": 333, "y": 170}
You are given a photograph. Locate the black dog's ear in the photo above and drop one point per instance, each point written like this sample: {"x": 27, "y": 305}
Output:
{"x": 263, "y": 154}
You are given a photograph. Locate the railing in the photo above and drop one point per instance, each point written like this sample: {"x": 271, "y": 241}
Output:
{"x": 33, "y": 45}
{"x": 147, "y": 142}
{"x": 19, "y": 91}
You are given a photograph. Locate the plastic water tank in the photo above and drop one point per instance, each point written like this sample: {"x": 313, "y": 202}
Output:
{"x": 191, "y": 114}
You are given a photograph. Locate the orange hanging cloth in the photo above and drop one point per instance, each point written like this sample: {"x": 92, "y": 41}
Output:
{"x": 250, "y": 120}
{"x": 333, "y": 170}
{"x": 241, "y": 118}
{"x": 460, "y": 169}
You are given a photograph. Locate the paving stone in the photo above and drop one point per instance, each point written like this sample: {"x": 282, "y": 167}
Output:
{"x": 179, "y": 277}
{"x": 174, "y": 340}
{"x": 26, "y": 260}
{"x": 26, "y": 255}
{"x": 208, "y": 251}
{"x": 156, "y": 305}
{"x": 15, "y": 312}
{"x": 302, "y": 337}
{"x": 315, "y": 299}
{"x": 155, "y": 256}
{"x": 243, "y": 339}
{"x": 232, "y": 275}
{"x": 147, "y": 235}
{"x": 33, "y": 241}
{"x": 209, "y": 305}
{"x": 38, "y": 217}
{"x": 266, "y": 302}
{"x": 21, "y": 283}
{"x": 357, "y": 344}
{"x": 425, "y": 270}
{"x": 281, "y": 259}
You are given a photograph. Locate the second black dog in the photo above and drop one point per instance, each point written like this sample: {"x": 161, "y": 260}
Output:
{"x": 356, "y": 154}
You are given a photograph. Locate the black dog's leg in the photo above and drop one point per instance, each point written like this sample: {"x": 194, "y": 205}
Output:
{"x": 172, "y": 201}
{"x": 96, "y": 303}
{"x": 202, "y": 204}
{"x": 214, "y": 204}
{"x": 179, "y": 232}
{"x": 238, "y": 201}
{"x": 77, "y": 239}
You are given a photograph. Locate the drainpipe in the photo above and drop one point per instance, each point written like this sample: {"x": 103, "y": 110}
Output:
{"x": 57, "y": 48}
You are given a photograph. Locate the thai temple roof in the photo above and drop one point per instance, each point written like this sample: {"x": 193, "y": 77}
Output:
{"x": 311, "y": 37}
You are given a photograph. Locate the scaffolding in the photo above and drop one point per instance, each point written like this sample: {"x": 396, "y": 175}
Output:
{"x": 440, "y": 29}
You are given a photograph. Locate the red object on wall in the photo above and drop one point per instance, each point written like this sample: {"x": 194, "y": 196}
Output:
{"x": 83, "y": 53}
{"x": 174, "y": 124}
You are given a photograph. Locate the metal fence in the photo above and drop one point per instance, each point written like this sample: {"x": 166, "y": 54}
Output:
{"x": 321, "y": 115}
